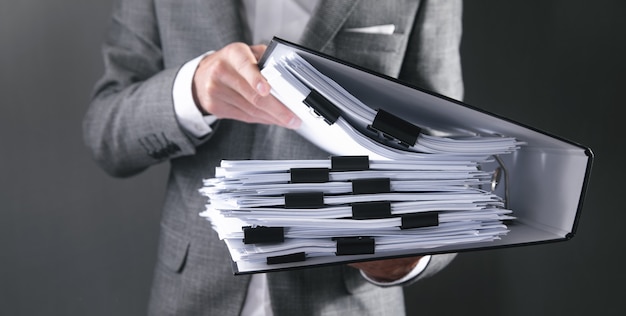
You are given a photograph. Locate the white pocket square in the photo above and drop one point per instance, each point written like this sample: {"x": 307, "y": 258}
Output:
{"x": 376, "y": 29}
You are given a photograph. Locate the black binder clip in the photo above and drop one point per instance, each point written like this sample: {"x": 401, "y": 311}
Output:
{"x": 262, "y": 234}
{"x": 354, "y": 246}
{"x": 394, "y": 128}
{"x": 293, "y": 257}
{"x": 349, "y": 163}
{"x": 418, "y": 220}
{"x": 371, "y": 186}
{"x": 304, "y": 200}
{"x": 322, "y": 107}
{"x": 309, "y": 175}
{"x": 371, "y": 210}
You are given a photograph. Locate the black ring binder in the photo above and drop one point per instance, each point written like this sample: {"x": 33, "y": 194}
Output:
{"x": 304, "y": 200}
{"x": 349, "y": 163}
{"x": 371, "y": 210}
{"x": 262, "y": 234}
{"x": 371, "y": 186}
{"x": 418, "y": 220}
{"x": 293, "y": 257}
{"x": 354, "y": 246}
{"x": 388, "y": 132}
{"x": 309, "y": 175}
{"x": 392, "y": 126}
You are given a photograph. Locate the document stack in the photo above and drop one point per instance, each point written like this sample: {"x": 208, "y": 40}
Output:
{"x": 391, "y": 187}
{"x": 273, "y": 212}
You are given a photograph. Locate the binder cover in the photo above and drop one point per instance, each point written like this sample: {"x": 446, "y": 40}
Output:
{"x": 545, "y": 180}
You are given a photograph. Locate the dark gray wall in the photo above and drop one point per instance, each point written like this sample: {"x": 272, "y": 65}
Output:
{"x": 74, "y": 241}
{"x": 558, "y": 66}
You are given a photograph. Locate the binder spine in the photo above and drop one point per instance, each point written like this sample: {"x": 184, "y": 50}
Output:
{"x": 322, "y": 107}
{"x": 418, "y": 220}
{"x": 309, "y": 175}
{"x": 349, "y": 163}
{"x": 354, "y": 246}
{"x": 304, "y": 200}
{"x": 262, "y": 234}
{"x": 393, "y": 127}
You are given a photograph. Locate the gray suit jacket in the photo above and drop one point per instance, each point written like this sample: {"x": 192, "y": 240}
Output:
{"x": 131, "y": 125}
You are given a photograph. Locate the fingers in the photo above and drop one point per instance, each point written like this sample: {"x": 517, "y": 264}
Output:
{"x": 228, "y": 103}
{"x": 247, "y": 74}
{"x": 228, "y": 84}
{"x": 258, "y": 50}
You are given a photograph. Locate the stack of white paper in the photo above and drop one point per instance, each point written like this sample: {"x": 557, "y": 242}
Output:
{"x": 392, "y": 186}
{"x": 353, "y": 126}
{"x": 253, "y": 194}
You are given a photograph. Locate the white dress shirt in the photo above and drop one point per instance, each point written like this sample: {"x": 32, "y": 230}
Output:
{"x": 266, "y": 19}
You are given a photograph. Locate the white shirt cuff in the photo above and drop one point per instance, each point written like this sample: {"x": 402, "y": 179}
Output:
{"x": 421, "y": 265}
{"x": 187, "y": 112}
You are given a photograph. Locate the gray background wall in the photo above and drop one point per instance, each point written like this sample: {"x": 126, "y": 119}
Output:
{"x": 74, "y": 241}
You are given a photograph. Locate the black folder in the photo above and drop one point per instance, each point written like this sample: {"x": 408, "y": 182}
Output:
{"x": 544, "y": 181}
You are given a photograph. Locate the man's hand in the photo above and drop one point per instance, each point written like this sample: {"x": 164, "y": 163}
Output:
{"x": 228, "y": 84}
{"x": 387, "y": 270}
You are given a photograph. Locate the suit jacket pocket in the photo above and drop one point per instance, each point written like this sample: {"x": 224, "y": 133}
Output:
{"x": 173, "y": 249}
{"x": 368, "y": 42}
{"x": 382, "y": 53}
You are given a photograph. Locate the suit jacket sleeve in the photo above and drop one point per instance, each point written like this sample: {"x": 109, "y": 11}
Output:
{"x": 130, "y": 123}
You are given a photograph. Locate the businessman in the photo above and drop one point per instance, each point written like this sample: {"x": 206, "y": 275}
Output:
{"x": 181, "y": 85}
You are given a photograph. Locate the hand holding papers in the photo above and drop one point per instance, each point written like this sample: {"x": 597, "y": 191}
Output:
{"x": 413, "y": 173}
{"x": 357, "y": 128}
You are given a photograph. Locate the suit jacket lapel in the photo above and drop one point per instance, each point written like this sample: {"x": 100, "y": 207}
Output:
{"x": 325, "y": 23}
{"x": 223, "y": 21}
